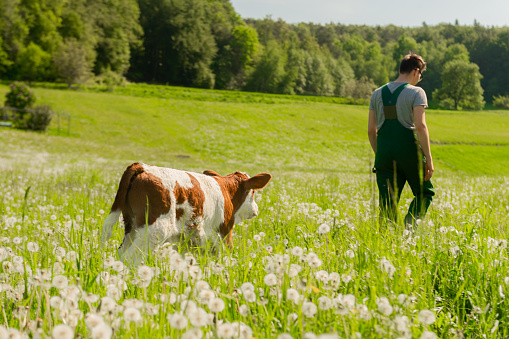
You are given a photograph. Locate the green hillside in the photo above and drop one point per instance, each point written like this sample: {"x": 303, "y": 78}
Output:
{"x": 227, "y": 131}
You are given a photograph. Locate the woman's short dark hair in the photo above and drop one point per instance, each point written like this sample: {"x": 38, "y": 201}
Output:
{"x": 410, "y": 62}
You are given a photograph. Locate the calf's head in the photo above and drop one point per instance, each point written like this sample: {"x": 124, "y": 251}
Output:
{"x": 239, "y": 193}
{"x": 244, "y": 204}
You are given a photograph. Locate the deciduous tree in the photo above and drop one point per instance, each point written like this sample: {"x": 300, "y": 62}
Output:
{"x": 461, "y": 84}
{"x": 71, "y": 63}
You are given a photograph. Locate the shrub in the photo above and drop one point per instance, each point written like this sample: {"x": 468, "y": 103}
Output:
{"x": 35, "y": 119}
{"x": 501, "y": 101}
{"x": 39, "y": 118}
{"x": 20, "y": 96}
{"x": 110, "y": 80}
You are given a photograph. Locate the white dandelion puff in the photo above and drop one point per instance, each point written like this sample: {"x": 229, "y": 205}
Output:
{"x": 401, "y": 323}
{"x": 387, "y": 267}
{"x": 102, "y": 331}
{"x": 32, "y": 247}
{"x": 249, "y": 296}
{"x": 385, "y": 307}
{"x": 297, "y": 251}
{"x": 62, "y": 331}
{"x": 324, "y": 303}
{"x": 108, "y": 262}
{"x": 56, "y": 302}
{"x": 193, "y": 333}
{"x": 270, "y": 279}
{"x": 118, "y": 266}
{"x": 322, "y": 276}
{"x": 244, "y": 310}
{"x": 92, "y": 320}
{"x": 349, "y": 301}
{"x": 198, "y": 318}
{"x": 225, "y": 330}
{"x": 132, "y": 314}
{"x": 293, "y": 295}
{"x": 247, "y": 286}
{"x": 323, "y": 229}
{"x": 426, "y": 317}
{"x": 146, "y": 273}
{"x": 177, "y": 321}
{"x": 428, "y": 335}
{"x": 107, "y": 304}
{"x": 402, "y": 298}
{"x": 216, "y": 305}
{"x": 60, "y": 281}
{"x": 309, "y": 309}
{"x": 205, "y": 296}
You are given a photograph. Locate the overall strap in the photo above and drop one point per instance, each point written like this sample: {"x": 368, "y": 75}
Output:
{"x": 389, "y": 99}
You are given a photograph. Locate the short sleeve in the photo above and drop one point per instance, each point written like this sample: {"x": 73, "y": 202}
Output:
{"x": 420, "y": 98}
{"x": 372, "y": 102}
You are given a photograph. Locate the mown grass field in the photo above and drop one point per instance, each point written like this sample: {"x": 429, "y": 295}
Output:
{"x": 314, "y": 263}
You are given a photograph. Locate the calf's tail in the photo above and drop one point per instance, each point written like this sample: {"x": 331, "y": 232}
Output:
{"x": 118, "y": 205}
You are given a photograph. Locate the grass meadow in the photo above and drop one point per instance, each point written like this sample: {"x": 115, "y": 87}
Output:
{"x": 314, "y": 264}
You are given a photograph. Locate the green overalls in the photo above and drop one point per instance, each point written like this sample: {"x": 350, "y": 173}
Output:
{"x": 399, "y": 159}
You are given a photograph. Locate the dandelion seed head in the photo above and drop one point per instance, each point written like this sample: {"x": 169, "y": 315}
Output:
{"x": 225, "y": 330}
{"x": 177, "y": 321}
{"x": 244, "y": 310}
{"x": 92, "y": 320}
{"x": 323, "y": 229}
{"x": 199, "y": 318}
{"x": 102, "y": 331}
{"x": 56, "y": 302}
{"x": 107, "y": 304}
{"x": 426, "y": 317}
{"x": 63, "y": 331}
{"x": 188, "y": 306}
{"x": 322, "y": 276}
{"x": 297, "y": 251}
{"x": 193, "y": 333}
{"x": 428, "y": 335}
{"x": 324, "y": 303}
{"x": 384, "y": 306}
{"x": 309, "y": 309}
{"x": 205, "y": 296}
{"x": 216, "y": 305}
{"x": 293, "y": 295}
{"x": 247, "y": 286}
{"x": 146, "y": 273}
{"x": 132, "y": 314}
{"x": 32, "y": 247}
{"x": 270, "y": 279}
{"x": 60, "y": 281}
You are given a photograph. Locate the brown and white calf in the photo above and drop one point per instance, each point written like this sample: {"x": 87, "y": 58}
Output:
{"x": 164, "y": 205}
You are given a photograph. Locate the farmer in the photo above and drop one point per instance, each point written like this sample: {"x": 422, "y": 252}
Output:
{"x": 396, "y": 112}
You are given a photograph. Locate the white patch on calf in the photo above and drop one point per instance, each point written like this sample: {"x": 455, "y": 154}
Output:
{"x": 248, "y": 209}
{"x": 110, "y": 221}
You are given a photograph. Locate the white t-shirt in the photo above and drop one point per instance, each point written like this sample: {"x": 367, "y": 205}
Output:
{"x": 410, "y": 97}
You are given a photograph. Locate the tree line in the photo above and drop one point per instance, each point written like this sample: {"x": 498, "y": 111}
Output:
{"x": 205, "y": 43}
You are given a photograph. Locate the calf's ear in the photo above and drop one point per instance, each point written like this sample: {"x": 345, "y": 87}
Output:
{"x": 211, "y": 173}
{"x": 258, "y": 182}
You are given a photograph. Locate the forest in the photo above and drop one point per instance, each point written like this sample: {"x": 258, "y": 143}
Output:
{"x": 206, "y": 44}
